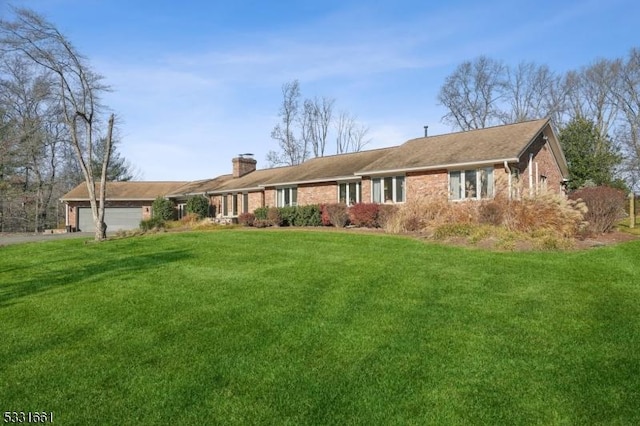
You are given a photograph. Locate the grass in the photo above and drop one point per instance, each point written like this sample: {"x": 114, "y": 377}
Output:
{"x": 304, "y": 327}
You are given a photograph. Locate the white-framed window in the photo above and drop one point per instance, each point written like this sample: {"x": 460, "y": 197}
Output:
{"x": 234, "y": 205}
{"x": 389, "y": 189}
{"x": 349, "y": 193}
{"x": 182, "y": 210}
{"x": 287, "y": 197}
{"x": 474, "y": 184}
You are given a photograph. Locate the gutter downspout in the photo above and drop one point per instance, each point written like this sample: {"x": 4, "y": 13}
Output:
{"x": 531, "y": 175}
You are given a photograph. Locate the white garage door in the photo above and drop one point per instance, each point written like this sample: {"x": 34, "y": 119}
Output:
{"x": 116, "y": 218}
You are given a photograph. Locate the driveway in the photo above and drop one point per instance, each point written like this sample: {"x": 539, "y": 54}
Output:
{"x": 19, "y": 238}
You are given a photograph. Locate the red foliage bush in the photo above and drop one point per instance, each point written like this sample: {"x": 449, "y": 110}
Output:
{"x": 364, "y": 215}
{"x": 605, "y": 206}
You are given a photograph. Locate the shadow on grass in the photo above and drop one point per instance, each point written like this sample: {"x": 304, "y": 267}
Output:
{"x": 40, "y": 281}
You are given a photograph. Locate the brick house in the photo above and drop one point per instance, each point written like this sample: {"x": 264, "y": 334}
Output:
{"x": 522, "y": 159}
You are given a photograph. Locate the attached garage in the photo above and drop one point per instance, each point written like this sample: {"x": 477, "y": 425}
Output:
{"x": 116, "y": 218}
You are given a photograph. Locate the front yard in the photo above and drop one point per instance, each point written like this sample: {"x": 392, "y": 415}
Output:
{"x": 307, "y": 327}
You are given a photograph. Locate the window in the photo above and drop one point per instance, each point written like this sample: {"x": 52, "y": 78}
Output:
{"x": 234, "y": 205}
{"x": 182, "y": 210}
{"x": 245, "y": 203}
{"x": 286, "y": 197}
{"x": 471, "y": 184}
{"x": 225, "y": 208}
{"x": 388, "y": 190}
{"x": 349, "y": 193}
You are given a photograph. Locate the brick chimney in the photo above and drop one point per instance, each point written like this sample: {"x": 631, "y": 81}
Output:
{"x": 243, "y": 164}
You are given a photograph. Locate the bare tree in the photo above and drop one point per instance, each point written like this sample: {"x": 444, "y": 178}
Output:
{"x": 293, "y": 150}
{"x": 28, "y": 104}
{"x": 318, "y": 114}
{"x": 591, "y": 94}
{"x": 472, "y": 94}
{"x": 529, "y": 93}
{"x": 78, "y": 90}
{"x": 351, "y": 136}
{"x": 628, "y": 98}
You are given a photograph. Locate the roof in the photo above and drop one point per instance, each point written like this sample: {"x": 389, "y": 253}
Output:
{"x": 124, "y": 191}
{"x": 492, "y": 144}
{"x": 329, "y": 168}
{"x": 198, "y": 186}
{"x": 476, "y": 147}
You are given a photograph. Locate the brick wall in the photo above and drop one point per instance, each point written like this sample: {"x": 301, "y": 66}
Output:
{"x": 546, "y": 164}
{"x": 317, "y": 193}
{"x": 428, "y": 184}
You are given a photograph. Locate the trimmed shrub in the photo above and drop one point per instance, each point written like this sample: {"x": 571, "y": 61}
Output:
{"x": 261, "y": 213}
{"x": 273, "y": 216}
{"x": 287, "y": 215}
{"x": 198, "y": 205}
{"x": 364, "y": 215}
{"x": 151, "y": 224}
{"x": 246, "y": 219}
{"x": 605, "y": 207}
{"x": 308, "y": 216}
{"x": 337, "y": 214}
{"x": 163, "y": 209}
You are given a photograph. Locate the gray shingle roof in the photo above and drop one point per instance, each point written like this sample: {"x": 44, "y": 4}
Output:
{"x": 484, "y": 145}
{"x": 125, "y": 190}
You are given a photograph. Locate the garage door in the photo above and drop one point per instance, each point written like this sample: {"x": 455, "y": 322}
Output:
{"x": 116, "y": 218}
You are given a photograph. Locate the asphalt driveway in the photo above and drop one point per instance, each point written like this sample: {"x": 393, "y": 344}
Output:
{"x": 19, "y": 238}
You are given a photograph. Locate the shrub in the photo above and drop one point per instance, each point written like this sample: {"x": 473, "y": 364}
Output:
{"x": 420, "y": 215}
{"x": 308, "y": 216}
{"x": 364, "y": 215}
{"x": 336, "y": 214}
{"x": 453, "y": 230}
{"x": 549, "y": 212}
{"x": 163, "y": 209}
{"x": 261, "y": 223}
{"x": 246, "y": 219}
{"x": 605, "y": 207}
{"x": 151, "y": 224}
{"x": 385, "y": 213}
{"x": 198, "y": 205}
{"x": 261, "y": 213}
{"x": 189, "y": 219}
{"x": 491, "y": 212}
{"x": 324, "y": 215}
{"x": 273, "y": 216}
{"x": 287, "y": 215}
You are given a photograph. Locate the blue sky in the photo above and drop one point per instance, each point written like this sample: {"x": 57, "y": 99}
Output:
{"x": 197, "y": 82}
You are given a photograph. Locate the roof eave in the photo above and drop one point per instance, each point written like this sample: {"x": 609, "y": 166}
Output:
{"x": 311, "y": 181}
{"x": 438, "y": 167}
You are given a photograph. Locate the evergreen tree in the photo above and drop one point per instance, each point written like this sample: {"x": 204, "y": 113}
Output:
{"x": 592, "y": 159}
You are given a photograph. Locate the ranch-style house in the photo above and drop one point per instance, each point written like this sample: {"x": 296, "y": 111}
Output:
{"x": 522, "y": 159}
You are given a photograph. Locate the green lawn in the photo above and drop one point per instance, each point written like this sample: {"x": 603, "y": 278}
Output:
{"x": 307, "y": 327}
